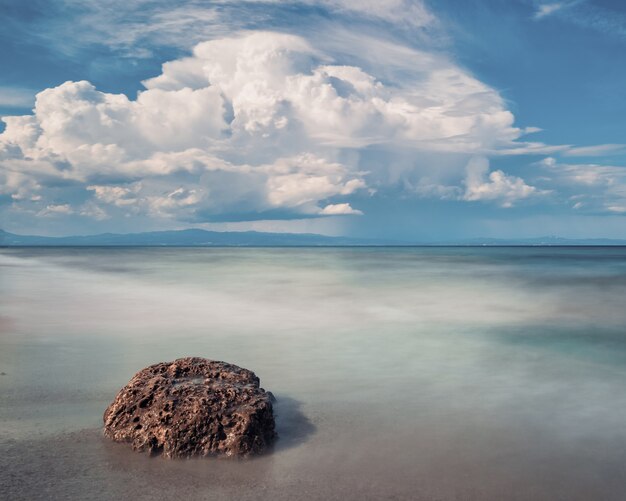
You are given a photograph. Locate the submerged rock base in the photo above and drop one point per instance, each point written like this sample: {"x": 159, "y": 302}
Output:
{"x": 193, "y": 407}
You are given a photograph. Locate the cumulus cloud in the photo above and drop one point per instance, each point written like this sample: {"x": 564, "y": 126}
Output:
{"x": 340, "y": 210}
{"x": 119, "y": 196}
{"x": 273, "y": 81}
{"x": 304, "y": 180}
{"x": 293, "y": 185}
{"x": 480, "y": 184}
{"x": 19, "y": 186}
{"x": 258, "y": 125}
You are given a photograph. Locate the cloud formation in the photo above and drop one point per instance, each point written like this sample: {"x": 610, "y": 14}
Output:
{"x": 260, "y": 125}
{"x": 15, "y": 97}
{"x": 480, "y": 184}
{"x": 139, "y": 28}
{"x": 589, "y": 188}
{"x": 547, "y": 9}
{"x": 608, "y": 19}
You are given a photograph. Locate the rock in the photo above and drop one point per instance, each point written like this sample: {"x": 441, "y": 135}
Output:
{"x": 193, "y": 407}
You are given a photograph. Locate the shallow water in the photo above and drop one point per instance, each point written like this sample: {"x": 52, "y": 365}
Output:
{"x": 402, "y": 373}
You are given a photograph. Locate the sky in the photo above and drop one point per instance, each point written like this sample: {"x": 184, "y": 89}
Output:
{"x": 412, "y": 120}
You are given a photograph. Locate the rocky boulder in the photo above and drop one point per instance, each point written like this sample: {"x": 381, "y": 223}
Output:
{"x": 193, "y": 407}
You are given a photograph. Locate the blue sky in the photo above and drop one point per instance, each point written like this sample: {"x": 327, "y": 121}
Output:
{"x": 401, "y": 119}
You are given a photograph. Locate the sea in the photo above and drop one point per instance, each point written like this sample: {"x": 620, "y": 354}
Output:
{"x": 422, "y": 373}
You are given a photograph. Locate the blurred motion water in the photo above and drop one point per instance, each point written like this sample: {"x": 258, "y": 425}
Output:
{"x": 407, "y": 373}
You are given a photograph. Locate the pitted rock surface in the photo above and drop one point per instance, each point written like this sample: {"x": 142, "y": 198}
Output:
{"x": 193, "y": 407}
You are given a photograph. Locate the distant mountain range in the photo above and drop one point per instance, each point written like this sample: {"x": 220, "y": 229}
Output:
{"x": 203, "y": 238}
{"x": 191, "y": 238}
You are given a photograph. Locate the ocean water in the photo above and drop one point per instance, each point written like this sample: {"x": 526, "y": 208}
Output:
{"x": 400, "y": 373}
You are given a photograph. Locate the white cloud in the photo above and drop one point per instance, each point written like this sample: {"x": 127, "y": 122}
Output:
{"x": 116, "y": 195}
{"x": 546, "y": 9}
{"x": 480, "y": 184}
{"x": 585, "y": 174}
{"x": 296, "y": 185}
{"x": 273, "y": 81}
{"x": 594, "y": 151}
{"x": 136, "y": 28}
{"x": 19, "y": 186}
{"x": 619, "y": 209}
{"x": 131, "y": 27}
{"x": 229, "y": 133}
{"x": 20, "y": 135}
{"x": 256, "y": 124}
{"x": 54, "y": 210}
{"x": 595, "y": 188}
{"x": 412, "y": 12}
{"x": 605, "y": 19}
{"x": 339, "y": 210}
{"x": 304, "y": 180}
{"x": 138, "y": 199}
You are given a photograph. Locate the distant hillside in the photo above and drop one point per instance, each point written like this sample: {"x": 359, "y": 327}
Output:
{"x": 203, "y": 238}
{"x": 192, "y": 237}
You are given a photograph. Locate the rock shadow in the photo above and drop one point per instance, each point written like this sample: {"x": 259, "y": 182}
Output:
{"x": 292, "y": 425}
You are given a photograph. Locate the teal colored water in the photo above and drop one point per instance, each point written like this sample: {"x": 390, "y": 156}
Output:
{"x": 414, "y": 373}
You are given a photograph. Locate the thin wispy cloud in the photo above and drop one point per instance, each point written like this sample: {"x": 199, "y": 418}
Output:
{"x": 16, "y": 97}
{"x": 587, "y": 14}
{"x": 597, "y": 150}
{"x": 609, "y": 21}
{"x": 135, "y": 29}
{"x": 588, "y": 187}
{"x": 547, "y": 9}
